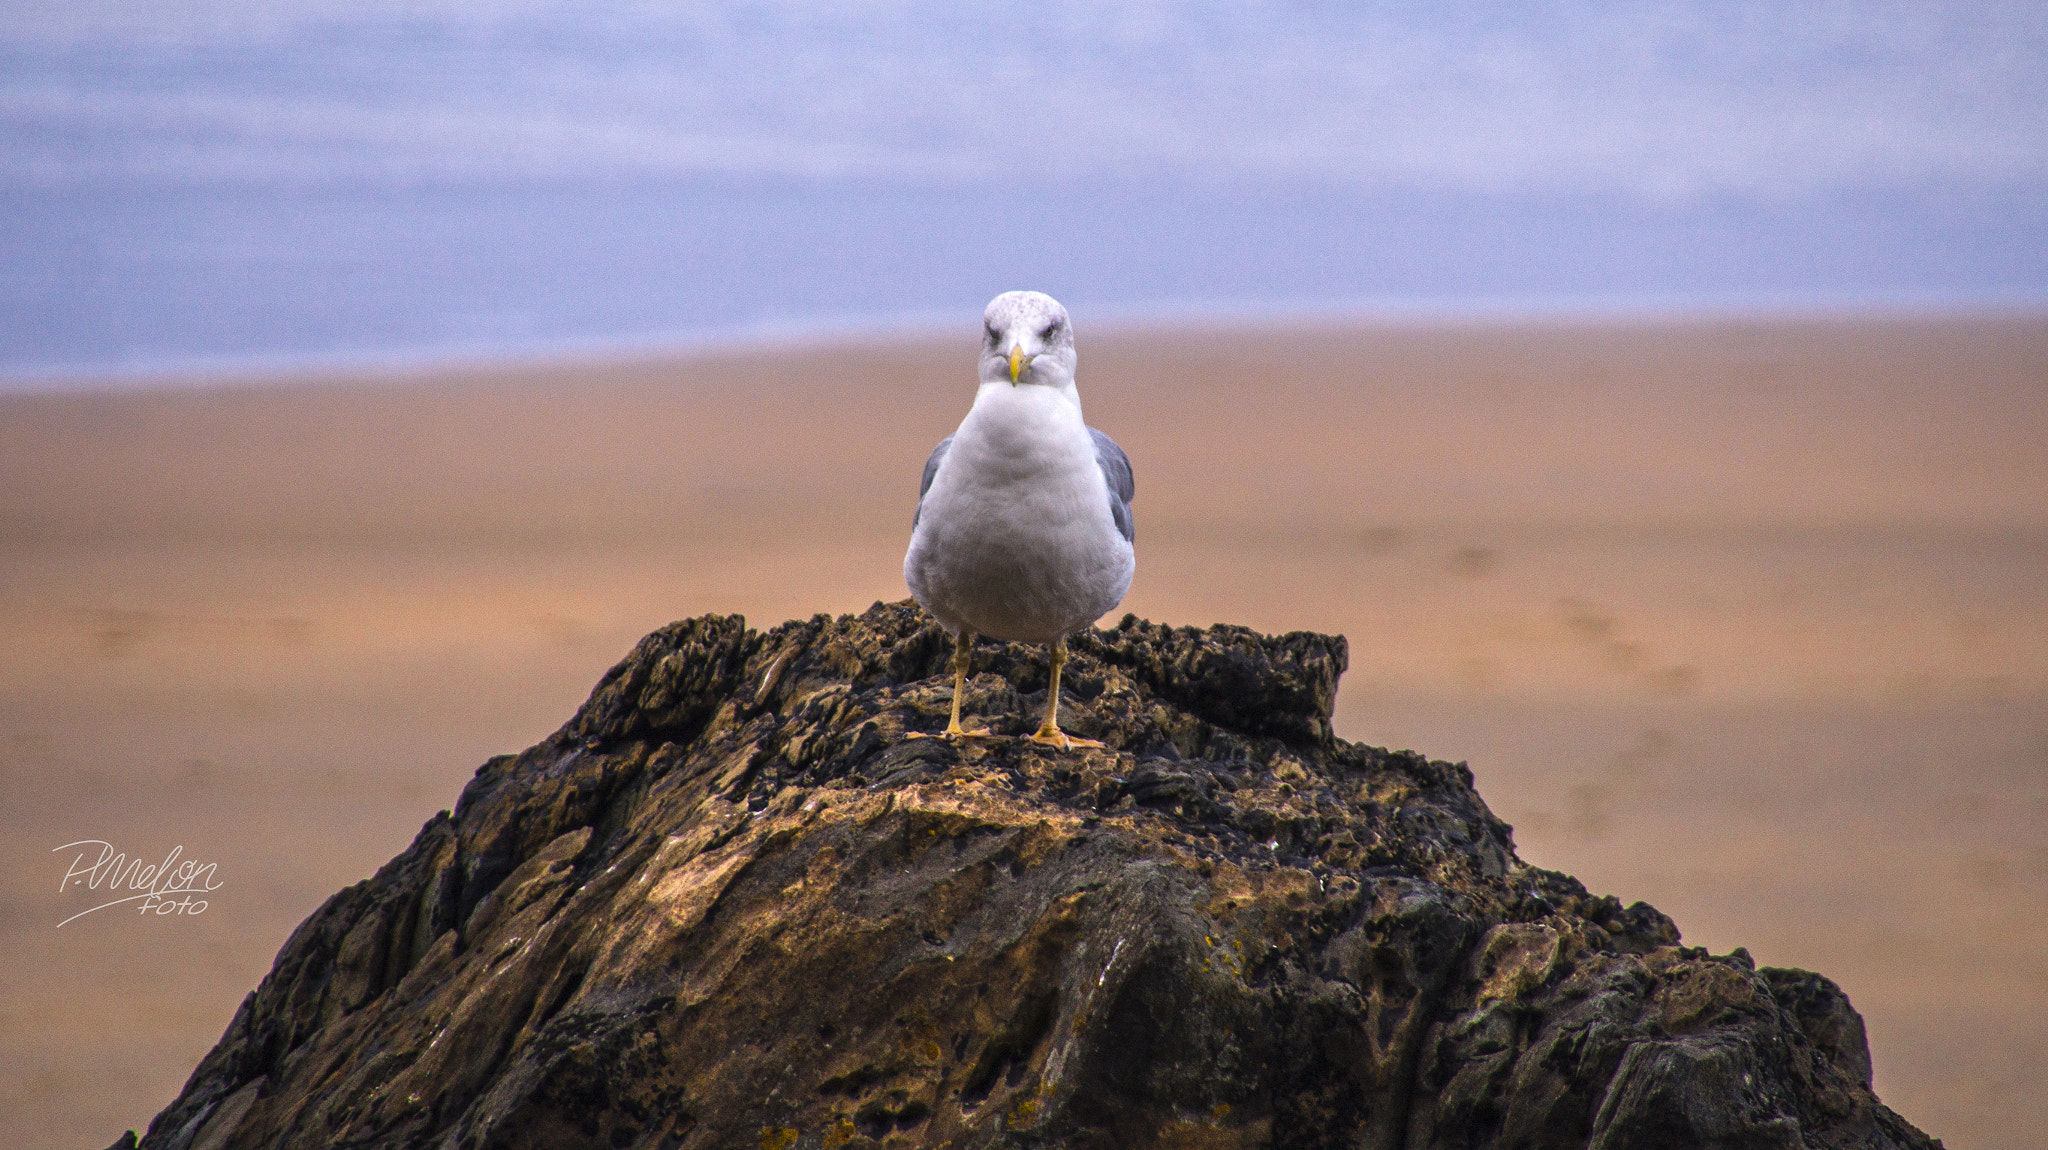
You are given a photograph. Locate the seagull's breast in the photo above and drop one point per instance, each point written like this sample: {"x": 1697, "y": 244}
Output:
{"x": 1015, "y": 539}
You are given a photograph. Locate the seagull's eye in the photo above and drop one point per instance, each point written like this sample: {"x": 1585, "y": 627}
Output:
{"x": 994, "y": 336}
{"x": 1051, "y": 329}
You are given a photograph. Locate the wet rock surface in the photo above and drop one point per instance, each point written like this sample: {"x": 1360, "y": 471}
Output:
{"x": 731, "y": 904}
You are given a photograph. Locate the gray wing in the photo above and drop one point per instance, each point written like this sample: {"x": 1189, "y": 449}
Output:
{"x": 931, "y": 468}
{"x": 1123, "y": 485}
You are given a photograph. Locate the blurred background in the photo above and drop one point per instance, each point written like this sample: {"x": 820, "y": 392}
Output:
{"x": 230, "y": 183}
{"x": 1654, "y": 393}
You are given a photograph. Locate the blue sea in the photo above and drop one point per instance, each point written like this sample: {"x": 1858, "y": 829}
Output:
{"x": 221, "y": 185}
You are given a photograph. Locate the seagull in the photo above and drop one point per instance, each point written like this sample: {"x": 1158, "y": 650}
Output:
{"x": 1023, "y": 527}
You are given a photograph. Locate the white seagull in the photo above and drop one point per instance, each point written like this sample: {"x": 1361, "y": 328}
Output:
{"x": 1023, "y": 526}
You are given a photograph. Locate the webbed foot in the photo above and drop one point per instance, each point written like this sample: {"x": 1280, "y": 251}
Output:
{"x": 1060, "y": 740}
{"x": 954, "y": 732}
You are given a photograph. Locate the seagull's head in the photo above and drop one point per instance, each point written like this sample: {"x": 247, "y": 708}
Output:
{"x": 1026, "y": 337}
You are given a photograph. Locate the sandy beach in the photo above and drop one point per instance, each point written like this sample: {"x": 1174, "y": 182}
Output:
{"x": 1746, "y": 618}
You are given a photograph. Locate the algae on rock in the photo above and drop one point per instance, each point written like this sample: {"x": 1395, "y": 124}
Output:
{"x": 729, "y": 904}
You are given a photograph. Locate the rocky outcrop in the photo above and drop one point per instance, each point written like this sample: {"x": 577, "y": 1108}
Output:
{"x": 731, "y": 904}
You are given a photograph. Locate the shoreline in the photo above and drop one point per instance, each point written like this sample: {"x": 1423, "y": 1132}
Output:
{"x": 937, "y": 329}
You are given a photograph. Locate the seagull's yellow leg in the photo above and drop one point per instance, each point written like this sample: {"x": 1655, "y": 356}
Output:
{"x": 1049, "y": 732}
{"x": 963, "y": 651}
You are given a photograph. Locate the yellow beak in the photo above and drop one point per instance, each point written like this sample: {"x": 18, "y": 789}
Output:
{"x": 1016, "y": 362}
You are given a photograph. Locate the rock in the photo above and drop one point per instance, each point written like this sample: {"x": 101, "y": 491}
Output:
{"x": 730, "y": 904}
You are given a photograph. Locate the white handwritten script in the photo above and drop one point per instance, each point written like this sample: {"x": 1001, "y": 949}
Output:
{"x": 166, "y": 888}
